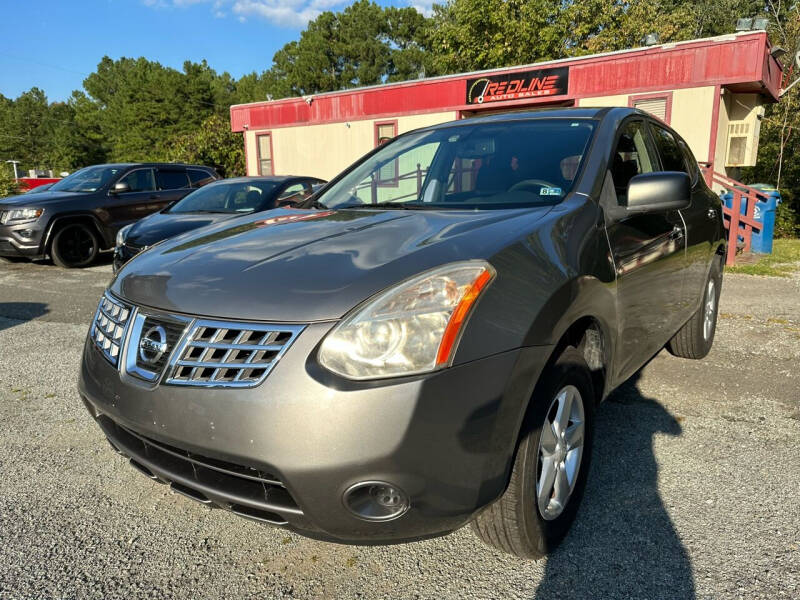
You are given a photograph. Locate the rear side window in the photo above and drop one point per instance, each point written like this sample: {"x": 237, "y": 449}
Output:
{"x": 691, "y": 162}
{"x": 671, "y": 156}
{"x": 172, "y": 180}
{"x": 199, "y": 178}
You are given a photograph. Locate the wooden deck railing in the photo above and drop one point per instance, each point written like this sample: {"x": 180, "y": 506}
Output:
{"x": 740, "y": 225}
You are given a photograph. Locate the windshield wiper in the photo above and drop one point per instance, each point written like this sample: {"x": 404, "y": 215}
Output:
{"x": 389, "y": 206}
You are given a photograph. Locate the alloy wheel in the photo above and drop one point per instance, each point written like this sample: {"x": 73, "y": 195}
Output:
{"x": 560, "y": 452}
{"x": 76, "y": 245}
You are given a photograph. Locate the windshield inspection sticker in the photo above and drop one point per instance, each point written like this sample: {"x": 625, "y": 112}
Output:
{"x": 550, "y": 191}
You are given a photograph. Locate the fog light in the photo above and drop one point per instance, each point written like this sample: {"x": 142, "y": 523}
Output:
{"x": 376, "y": 501}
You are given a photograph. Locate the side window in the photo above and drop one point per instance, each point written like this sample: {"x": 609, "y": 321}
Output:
{"x": 631, "y": 157}
{"x": 172, "y": 180}
{"x": 140, "y": 180}
{"x": 671, "y": 156}
{"x": 691, "y": 162}
{"x": 264, "y": 154}
{"x": 199, "y": 178}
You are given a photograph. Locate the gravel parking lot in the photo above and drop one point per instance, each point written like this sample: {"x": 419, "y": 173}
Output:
{"x": 694, "y": 490}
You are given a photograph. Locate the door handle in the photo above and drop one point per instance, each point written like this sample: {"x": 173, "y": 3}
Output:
{"x": 153, "y": 197}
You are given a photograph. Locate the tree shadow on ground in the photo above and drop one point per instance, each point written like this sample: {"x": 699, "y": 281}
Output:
{"x": 16, "y": 313}
{"x": 623, "y": 543}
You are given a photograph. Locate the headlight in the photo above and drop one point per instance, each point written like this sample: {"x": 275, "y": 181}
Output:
{"x": 122, "y": 234}
{"x": 410, "y": 328}
{"x": 20, "y": 215}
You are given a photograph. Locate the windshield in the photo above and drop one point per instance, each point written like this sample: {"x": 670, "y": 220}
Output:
{"x": 487, "y": 165}
{"x": 89, "y": 179}
{"x": 228, "y": 197}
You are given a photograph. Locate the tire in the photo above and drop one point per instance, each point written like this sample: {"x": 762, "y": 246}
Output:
{"x": 74, "y": 246}
{"x": 516, "y": 522}
{"x": 695, "y": 338}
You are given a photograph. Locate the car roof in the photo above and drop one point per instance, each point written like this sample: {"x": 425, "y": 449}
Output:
{"x": 596, "y": 113}
{"x": 125, "y": 165}
{"x": 264, "y": 178}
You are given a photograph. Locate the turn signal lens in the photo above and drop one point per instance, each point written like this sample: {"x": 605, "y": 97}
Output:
{"x": 413, "y": 327}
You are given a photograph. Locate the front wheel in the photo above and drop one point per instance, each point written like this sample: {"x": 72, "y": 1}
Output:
{"x": 695, "y": 338}
{"x": 549, "y": 472}
{"x": 74, "y": 246}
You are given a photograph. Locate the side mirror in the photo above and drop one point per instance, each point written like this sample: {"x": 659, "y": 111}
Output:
{"x": 665, "y": 190}
{"x": 120, "y": 188}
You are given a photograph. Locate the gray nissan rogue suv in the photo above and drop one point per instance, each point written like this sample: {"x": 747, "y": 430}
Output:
{"x": 425, "y": 343}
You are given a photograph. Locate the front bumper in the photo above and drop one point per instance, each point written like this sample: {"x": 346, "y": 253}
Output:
{"x": 23, "y": 240}
{"x": 447, "y": 439}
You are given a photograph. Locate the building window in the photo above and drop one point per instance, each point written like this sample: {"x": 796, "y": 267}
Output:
{"x": 388, "y": 174}
{"x": 265, "y": 154}
{"x": 658, "y": 105}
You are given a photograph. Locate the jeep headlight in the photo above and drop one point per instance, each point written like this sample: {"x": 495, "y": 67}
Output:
{"x": 122, "y": 234}
{"x": 20, "y": 215}
{"x": 412, "y": 327}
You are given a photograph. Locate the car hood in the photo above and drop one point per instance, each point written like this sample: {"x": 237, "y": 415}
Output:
{"x": 162, "y": 226}
{"x": 38, "y": 199}
{"x": 307, "y": 265}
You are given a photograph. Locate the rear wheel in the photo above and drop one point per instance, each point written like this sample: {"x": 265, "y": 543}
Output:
{"x": 695, "y": 338}
{"x": 549, "y": 473}
{"x": 74, "y": 245}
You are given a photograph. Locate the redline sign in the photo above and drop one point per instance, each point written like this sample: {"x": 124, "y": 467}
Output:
{"x": 518, "y": 86}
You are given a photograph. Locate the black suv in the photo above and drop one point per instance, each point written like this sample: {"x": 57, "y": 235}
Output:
{"x": 81, "y": 214}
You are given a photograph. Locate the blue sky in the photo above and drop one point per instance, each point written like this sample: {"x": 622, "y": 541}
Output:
{"x": 55, "y": 44}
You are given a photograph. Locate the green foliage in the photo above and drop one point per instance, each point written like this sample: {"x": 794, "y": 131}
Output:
{"x": 365, "y": 44}
{"x": 8, "y": 186}
{"x": 787, "y": 223}
{"x": 784, "y": 260}
{"x": 213, "y": 144}
{"x": 779, "y": 143}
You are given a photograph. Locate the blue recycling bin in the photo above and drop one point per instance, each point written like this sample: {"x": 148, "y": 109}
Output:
{"x": 764, "y": 213}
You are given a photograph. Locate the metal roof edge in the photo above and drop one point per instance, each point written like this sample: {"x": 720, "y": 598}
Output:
{"x": 438, "y": 78}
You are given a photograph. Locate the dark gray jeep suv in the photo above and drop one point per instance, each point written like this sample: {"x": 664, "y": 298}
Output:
{"x": 80, "y": 215}
{"x": 426, "y": 343}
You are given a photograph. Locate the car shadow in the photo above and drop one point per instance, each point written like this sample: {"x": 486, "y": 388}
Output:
{"x": 623, "y": 543}
{"x": 16, "y": 313}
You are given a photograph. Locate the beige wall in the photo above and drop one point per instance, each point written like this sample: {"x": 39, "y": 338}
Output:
{"x": 325, "y": 150}
{"x": 603, "y": 101}
{"x": 691, "y": 114}
{"x": 692, "y": 111}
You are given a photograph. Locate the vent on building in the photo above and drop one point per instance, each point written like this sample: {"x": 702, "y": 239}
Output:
{"x": 655, "y": 106}
{"x": 739, "y": 138}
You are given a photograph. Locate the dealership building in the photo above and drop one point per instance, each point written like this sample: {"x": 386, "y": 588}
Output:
{"x": 712, "y": 91}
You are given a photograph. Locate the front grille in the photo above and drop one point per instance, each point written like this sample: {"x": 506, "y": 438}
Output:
{"x": 252, "y": 492}
{"x": 219, "y": 353}
{"x": 109, "y": 326}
